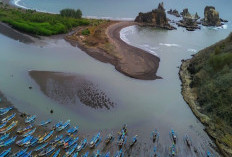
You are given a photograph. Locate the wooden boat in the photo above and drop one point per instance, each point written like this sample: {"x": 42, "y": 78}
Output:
{"x": 70, "y": 143}
{"x": 41, "y": 138}
{"x": 27, "y": 154}
{"x": 95, "y": 140}
{"x": 8, "y": 118}
{"x": 97, "y": 153}
{"x": 32, "y": 142}
{"x": 5, "y": 136}
{"x": 45, "y": 123}
{"x": 5, "y": 110}
{"x": 20, "y": 152}
{"x": 56, "y": 139}
{"x": 82, "y": 145}
{"x": 122, "y": 140}
{"x": 49, "y": 135}
{"x": 57, "y": 125}
{"x": 187, "y": 140}
{"x": 22, "y": 130}
{"x": 29, "y": 132}
{"x": 40, "y": 147}
{"x": 30, "y": 119}
{"x": 65, "y": 125}
{"x": 173, "y": 150}
{"x": 5, "y": 153}
{"x": 71, "y": 150}
{"x": 134, "y": 140}
{"x": 155, "y": 135}
{"x": 86, "y": 154}
{"x": 56, "y": 153}
{"x": 208, "y": 154}
{"x": 47, "y": 151}
{"x": 64, "y": 140}
{"x": 8, "y": 142}
{"x": 107, "y": 154}
{"x": 8, "y": 128}
{"x": 3, "y": 125}
{"x": 173, "y": 136}
{"x": 109, "y": 138}
{"x": 75, "y": 154}
{"x": 24, "y": 141}
{"x": 72, "y": 130}
{"x": 119, "y": 153}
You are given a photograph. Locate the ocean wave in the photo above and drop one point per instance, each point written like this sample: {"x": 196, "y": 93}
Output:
{"x": 16, "y": 3}
{"x": 169, "y": 45}
{"x": 192, "y": 50}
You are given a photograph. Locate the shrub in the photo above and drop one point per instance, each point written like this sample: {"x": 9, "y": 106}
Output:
{"x": 85, "y": 32}
{"x": 71, "y": 13}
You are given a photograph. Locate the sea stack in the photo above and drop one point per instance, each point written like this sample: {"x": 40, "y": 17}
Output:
{"x": 211, "y": 17}
{"x": 155, "y": 18}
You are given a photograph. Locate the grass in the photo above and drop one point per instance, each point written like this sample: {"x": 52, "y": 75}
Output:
{"x": 38, "y": 23}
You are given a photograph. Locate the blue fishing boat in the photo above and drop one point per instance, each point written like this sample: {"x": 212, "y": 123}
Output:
{"x": 56, "y": 154}
{"x": 82, "y": 145}
{"x": 3, "y": 125}
{"x": 3, "y": 137}
{"x": 173, "y": 150}
{"x": 49, "y": 135}
{"x": 45, "y": 123}
{"x": 109, "y": 138}
{"x": 75, "y": 154}
{"x": 5, "y": 152}
{"x": 30, "y": 132}
{"x": 72, "y": 130}
{"x": 27, "y": 154}
{"x": 70, "y": 143}
{"x": 155, "y": 154}
{"x": 30, "y": 119}
{"x": 5, "y": 110}
{"x": 97, "y": 153}
{"x": 173, "y": 136}
{"x": 57, "y": 125}
{"x": 47, "y": 151}
{"x": 22, "y": 130}
{"x": 155, "y": 135}
{"x": 8, "y": 118}
{"x": 56, "y": 139}
{"x": 20, "y": 152}
{"x": 40, "y": 147}
{"x": 134, "y": 140}
{"x": 65, "y": 125}
{"x": 71, "y": 150}
{"x": 32, "y": 142}
{"x": 8, "y": 142}
{"x": 8, "y": 128}
{"x": 95, "y": 140}
{"x": 107, "y": 154}
{"x": 86, "y": 154}
{"x": 122, "y": 140}
{"x": 64, "y": 140}
{"x": 24, "y": 141}
{"x": 119, "y": 153}
{"x": 209, "y": 154}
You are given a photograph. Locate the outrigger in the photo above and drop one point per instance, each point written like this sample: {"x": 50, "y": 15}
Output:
{"x": 109, "y": 138}
{"x": 155, "y": 135}
{"x": 5, "y": 152}
{"x": 30, "y": 119}
{"x": 8, "y": 118}
{"x": 173, "y": 136}
{"x": 119, "y": 153}
{"x": 82, "y": 145}
{"x": 95, "y": 141}
{"x": 22, "y": 130}
{"x": 45, "y": 123}
{"x": 134, "y": 140}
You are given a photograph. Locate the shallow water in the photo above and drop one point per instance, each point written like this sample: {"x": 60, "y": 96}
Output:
{"x": 143, "y": 105}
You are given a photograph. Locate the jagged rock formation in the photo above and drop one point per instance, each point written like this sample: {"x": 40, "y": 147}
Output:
{"x": 185, "y": 12}
{"x": 174, "y": 12}
{"x": 211, "y": 17}
{"x": 156, "y": 18}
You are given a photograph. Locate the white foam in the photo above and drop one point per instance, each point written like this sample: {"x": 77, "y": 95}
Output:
{"x": 192, "y": 50}
{"x": 16, "y": 2}
{"x": 169, "y": 45}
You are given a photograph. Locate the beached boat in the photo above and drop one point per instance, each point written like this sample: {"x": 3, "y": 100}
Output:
{"x": 3, "y": 125}
{"x": 56, "y": 139}
{"x": 45, "y": 123}
{"x": 119, "y": 153}
{"x": 97, "y": 153}
{"x": 49, "y": 135}
{"x": 40, "y": 147}
{"x": 109, "y": 138}
{"x": 134, "y": 140}
{"x": 82, "y": 145}
{"x": 71, "y": 150}
{"x": 22, "y": 130}
{"x": 70, "y": 143}
{"x": 85, "y": 155}
{"x": 57, "y": 125}
{"x": 8, "y": 118}
{"x": 5, "y": 110}
{"x": 64, "y": 140}
{"x": 30, "y": 119}
{"x": 24, "y": 141}
{"x": 47, "y": 151}
{"x": 29, "y": 132}
{"x": 9, "y": 127}
{"x": 32, "y": 142}
{"x": 95, "y": 141}
{"x": 8, "y": 142}
{"x": 3, "y": 137}
{"x": 72, "y": 130}
{"x": 56, "y": 153}
{"x": 5, "y": 152}
{"x": 20, "y": 152}
{"x": 155, "y": 135}
{"x": 173, "y": 136}
{"x": 65, "y": 125}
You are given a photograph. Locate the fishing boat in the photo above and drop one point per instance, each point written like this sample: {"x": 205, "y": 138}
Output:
{"x": 72, "y": 130}
{"x": 65, "y": 125}
{"x": 71, "y": 150}
{"x": 95, "y": 140}
{"x": 56, "y": 153}
{"x": 8, "y": 118}
{"x": 64, "y": 140}
{"x": 49, "y": 135}
{"x": 155, "y": 154}
{"x": 32, "y": 142}
{"x": 109, "y": 138}
{"x": 75, "y": 154}
{"x": 5, "y": 152}
{"x": 40, "y": 147}
{"x": 22, "y": 130}
{"x": 24, "y": 141}
{"x": 70, "y": 143}
{"x": 173, "y": 136}
{"x": 122, "y": 140}
{"x": 30, "y": 119}
{"x": 119, "y": 153}
{"x": 30, "y": 132}
{"x": 20, "y": 152}
{"x": 107, "y": 154}
{"x": 134, "y": 140}
{"x": 57, "y": 125}
{"x": 85, "y": 155}
{"x": 97, "y": 153}
{"x": 3, "y": 137}
{"x": 8, "y": 142}
{"x": 173, "y": 150}
{"x": 82, "y": 145}
{"x": 5, "y": 110}
{"x": 3, "y": 125}
{"x": 187, "y": 140}
{"x": 45, "y": 123}
{"x": 27, "y": 154}
{"x": 56, "y": 139}
{"x": 8, "y": 128}
{"x": 155, "y": 135}
{"x": 47, "y": 151}
{"x": 208, "y": 154}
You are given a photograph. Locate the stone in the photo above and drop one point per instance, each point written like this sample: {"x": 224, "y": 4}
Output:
{"x": 211, "y": 17}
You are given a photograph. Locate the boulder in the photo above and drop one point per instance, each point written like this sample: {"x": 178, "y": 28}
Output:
{"x": 211, "y": 17}
{"x": 185, "y": 12}
{"x": 174, "y": 12}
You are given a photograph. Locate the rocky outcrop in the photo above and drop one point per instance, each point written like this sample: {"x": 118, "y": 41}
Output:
{"x": 155, "y": 18}
{"x": 185, "y": 12}
{"x": 211, "y": 17}
{"x": 174, "y": 12}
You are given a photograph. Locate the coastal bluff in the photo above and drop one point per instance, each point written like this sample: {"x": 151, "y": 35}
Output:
{"x": 155, "y": 18}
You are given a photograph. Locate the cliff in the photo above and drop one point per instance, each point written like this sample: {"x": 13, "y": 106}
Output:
{"x": 211, "y": 17}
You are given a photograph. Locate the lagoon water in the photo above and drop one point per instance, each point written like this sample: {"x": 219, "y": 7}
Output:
{"x": 143, "y": 105}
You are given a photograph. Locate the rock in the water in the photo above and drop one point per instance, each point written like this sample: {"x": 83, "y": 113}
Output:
{"x": 174, "y": 12}
{"x": 211, "y": 17}
{"x": 156, "y": 18}
{"x": 185, "y": 12}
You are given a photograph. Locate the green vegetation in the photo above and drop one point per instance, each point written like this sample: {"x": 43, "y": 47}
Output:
{"x": 44, "y": 24}
{"x": 85, "y": 32}
{"x": 71, "y": 13}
